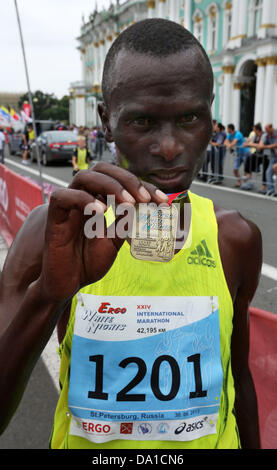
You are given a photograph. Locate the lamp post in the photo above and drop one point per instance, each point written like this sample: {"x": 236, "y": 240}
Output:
{"x": 30, "y": 99}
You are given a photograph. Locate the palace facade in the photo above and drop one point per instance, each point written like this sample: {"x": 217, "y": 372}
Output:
{"x": 239, "y": 36}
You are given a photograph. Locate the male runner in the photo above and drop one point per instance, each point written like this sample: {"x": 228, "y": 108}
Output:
{"x": 127, "y": 383}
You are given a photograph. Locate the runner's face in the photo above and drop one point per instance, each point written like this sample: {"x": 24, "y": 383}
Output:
{"x": 159, "y": 117}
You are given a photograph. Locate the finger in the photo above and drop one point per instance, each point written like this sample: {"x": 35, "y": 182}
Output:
{"x": 101, "y": 185}
{"x": 157, "y": 196}
{"x": 62, "y": 201}
{"x": 140, "y": 190}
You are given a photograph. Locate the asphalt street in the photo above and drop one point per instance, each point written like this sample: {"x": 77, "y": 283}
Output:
{"x": 30, "y": 427}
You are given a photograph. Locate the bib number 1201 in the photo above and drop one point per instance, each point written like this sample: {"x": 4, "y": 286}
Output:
{"x": 125, "y": 395}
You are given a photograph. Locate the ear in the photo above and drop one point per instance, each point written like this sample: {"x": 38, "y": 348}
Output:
{"x": 104, "y": 115}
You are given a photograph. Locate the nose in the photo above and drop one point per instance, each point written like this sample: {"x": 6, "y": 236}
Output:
{"x": 167, "y": 143}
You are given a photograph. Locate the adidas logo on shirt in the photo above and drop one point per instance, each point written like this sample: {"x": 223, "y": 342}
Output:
{"x": 201, "y": 255}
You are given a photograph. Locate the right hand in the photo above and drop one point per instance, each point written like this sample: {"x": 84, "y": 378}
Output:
{"x": 70, "y": 260}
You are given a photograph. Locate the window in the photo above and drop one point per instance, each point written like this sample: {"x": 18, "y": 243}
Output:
{"x": 255, "y": 17}
{"x": 228, "y": 14}
{"x": 258, "y": 7}
{"x": 213, "y": 28}
{"x": 198, "y": 26}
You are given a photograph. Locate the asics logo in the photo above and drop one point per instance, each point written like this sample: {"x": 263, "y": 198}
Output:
{"x": 201, "y": 256}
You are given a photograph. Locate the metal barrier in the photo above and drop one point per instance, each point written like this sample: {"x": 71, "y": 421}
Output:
{"x": 256, "y": 170}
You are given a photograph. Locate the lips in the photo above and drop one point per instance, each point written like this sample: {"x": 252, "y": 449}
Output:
{"x": 166, "y": 176}
{"x": 169, "y": 181}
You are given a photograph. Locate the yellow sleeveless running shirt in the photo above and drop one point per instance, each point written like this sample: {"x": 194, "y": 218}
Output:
{"x": 82, "y": 159}
{"x": 146, "y": 360}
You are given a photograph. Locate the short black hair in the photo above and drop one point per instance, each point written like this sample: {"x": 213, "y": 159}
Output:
{"x": 220, "y": 126}
{"x": 258, "y": 127}
{"x": 156, "y": 37}
{"x": 231, "y": 126}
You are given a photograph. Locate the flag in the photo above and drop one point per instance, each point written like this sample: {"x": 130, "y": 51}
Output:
{"x": 14, "y": 115}
{"x": 3, "y": 120}
{"x": 5, "y": 113}
{"x": 25, "y": 118}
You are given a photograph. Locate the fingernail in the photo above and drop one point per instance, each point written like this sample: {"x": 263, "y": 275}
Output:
{"x": 127, "y": 196}
{"x": 96, "y": 206}
{"x": 161, "y": 195}
{"x": 144, "y": 193}
{"x": 100, "y": 206}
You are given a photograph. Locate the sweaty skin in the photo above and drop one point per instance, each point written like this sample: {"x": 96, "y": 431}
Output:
{"x": 159, "y": 116}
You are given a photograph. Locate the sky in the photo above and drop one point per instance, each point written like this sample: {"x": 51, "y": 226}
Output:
{"x": 50, "y": 29}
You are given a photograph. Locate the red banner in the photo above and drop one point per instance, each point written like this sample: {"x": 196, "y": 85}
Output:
{"x": 27, "y": 109}
{"x": 263, "y": 365}
{"x": 18, "y": 197}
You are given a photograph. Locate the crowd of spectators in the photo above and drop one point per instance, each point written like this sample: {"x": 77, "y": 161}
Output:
{"x": 253, "y": 155}
{"x": 256, "y": 154}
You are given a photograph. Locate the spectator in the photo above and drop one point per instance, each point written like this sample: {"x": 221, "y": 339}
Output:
{"x": 81, "y": 156}
{"x": 75, "y": 129}
{"x": 99, "y": 143}
{"x": 2, "y": 142}
{"x": 81, "y": 130}
{"x": 257, "y": 157}
{"x": 218, "y": 154}
{"x": 269, "y": 141}
{"x": 112, "y": 149}
{"x": 28, "y": 137}
{"x": 92, "y": 139}
{"x": 204, "y": 173}
{"x": 235, "y": 141}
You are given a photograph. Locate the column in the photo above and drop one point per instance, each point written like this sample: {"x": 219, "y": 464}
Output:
{"x": 71, "y": 109}
{"x": 96, "y": 61}
{"x": 271, "y": 63}
{"x": 243, "y": 6}
{"x": 83, "y": 60}
{"x": 260, "y": 87}
{"x": 235, "y": 116}
{"x": 174, "y": 10}
{"x": 187, "y": 14}
{"x": 102, "y": 58}
{"x": 269, "y": 19}
{"x": 228, "y": 71}
{"x": 161, "y": 9}
{"x": 235, "y": 19}
{"x": 239, "y": 19}
{"x": 80, "y": 110}
{"x": 151, "y": 8}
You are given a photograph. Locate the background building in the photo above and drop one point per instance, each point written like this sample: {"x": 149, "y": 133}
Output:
{"x": 240, "y": 37}
{"x": 10, "y": 100}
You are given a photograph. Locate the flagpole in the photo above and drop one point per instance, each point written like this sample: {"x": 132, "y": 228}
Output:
{"x": 30, "y": 100}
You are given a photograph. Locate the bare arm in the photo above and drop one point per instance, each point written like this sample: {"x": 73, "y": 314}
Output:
{"x": 74, "y": 163}
{"x": 49, "y": 261}
{"x": 26, "y": 319}
{"x": 246, "y": 400}
{"x": 242, "y": 260}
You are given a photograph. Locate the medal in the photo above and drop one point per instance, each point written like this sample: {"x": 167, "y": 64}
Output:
{"x": 154, "y": 232}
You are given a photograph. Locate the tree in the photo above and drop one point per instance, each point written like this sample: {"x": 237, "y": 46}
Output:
{"x": 48, "y": 106}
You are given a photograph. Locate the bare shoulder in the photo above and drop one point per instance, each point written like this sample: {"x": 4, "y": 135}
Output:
{"x": 240, "y": 245}
{"x": 237, "y": 228}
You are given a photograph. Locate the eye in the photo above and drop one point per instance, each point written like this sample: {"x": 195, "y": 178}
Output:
{"x": 143, "y": 122}
{"x": 187, "y": 119}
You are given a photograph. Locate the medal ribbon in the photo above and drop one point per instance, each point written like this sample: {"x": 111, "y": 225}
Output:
{"x": 173, "y": 196}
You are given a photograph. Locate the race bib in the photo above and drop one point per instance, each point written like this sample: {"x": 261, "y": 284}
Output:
{"x": 145, "y": 368}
